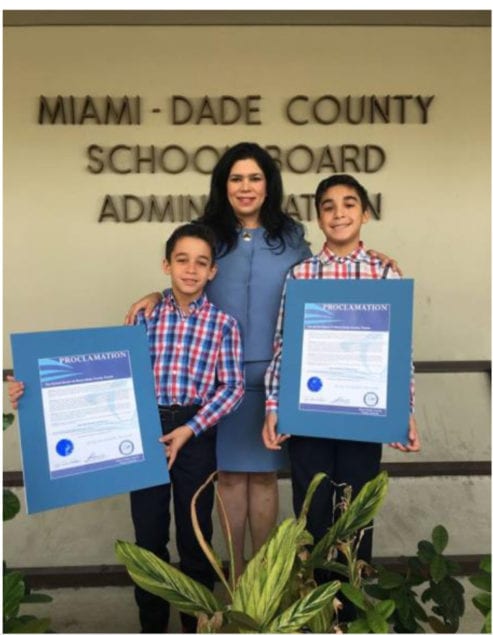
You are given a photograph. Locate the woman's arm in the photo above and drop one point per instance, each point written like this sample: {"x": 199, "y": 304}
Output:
{"x": 386, "y": 260}
{"x": 148, "y": 302}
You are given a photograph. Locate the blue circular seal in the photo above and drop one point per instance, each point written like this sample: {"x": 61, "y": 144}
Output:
{"x": 371, "y": 398}
{"x": 64, "y": 447}
{"x": 314, "y": 384}
{"x": 126, "y": 447}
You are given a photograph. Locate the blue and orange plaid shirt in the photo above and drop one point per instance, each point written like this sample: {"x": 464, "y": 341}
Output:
{"x": 325, "y": 265}
{"x": 197, "y": 358}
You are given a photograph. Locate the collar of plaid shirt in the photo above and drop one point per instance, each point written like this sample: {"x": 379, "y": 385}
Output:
{"x": 171, "y": 303}
{"x": 327, "y": 255}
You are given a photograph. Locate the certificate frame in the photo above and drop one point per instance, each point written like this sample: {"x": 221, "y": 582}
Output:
{"x": 44, "y": 489}
{"x": 391, "y": 424}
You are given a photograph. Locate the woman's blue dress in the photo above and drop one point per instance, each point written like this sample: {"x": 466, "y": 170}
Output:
{"x": 248, "y": 286}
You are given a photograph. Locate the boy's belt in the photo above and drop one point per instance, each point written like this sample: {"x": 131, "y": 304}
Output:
{"x": 177, "y": 414}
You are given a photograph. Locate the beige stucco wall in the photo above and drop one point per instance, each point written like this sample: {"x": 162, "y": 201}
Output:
{"x": 435, "y": 184}
{"x": 63, "y": 269}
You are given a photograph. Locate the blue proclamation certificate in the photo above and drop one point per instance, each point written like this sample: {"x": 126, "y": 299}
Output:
{"x": 90, "y": 412}
{"x": 346, "y": 359}
{"x": 88, "y": 420}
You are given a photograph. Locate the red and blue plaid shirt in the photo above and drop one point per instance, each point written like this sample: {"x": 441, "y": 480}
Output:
{"x": 197, "y": 358}
{"x": 325, "y": 265}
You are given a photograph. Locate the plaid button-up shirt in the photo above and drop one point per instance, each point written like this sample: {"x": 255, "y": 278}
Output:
{"x": 325, "y": 265}
{"x": 197, "y": 358}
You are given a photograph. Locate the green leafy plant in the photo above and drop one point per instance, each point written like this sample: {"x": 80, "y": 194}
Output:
{"x": 431, "y": 568}
{"x": 482, "y": 601}
{"x": 276, "y": 592}
{"x": 11, "y": 504}
{"x": 372, "y": 616}
{"x": 15, "y": 590}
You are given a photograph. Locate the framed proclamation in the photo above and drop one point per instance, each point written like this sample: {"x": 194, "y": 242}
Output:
{"x": 346, "y": 359}
{"x": 88, "y": 420}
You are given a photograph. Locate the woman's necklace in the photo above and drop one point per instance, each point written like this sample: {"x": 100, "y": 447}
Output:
{"x": 246, "y": 235}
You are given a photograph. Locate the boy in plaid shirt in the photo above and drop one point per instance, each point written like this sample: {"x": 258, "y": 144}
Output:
{"x": 342, "y": 208}
{"x": 196, "y": 355}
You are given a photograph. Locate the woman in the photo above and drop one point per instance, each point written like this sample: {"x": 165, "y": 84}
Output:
{"x": 257, "y": 244}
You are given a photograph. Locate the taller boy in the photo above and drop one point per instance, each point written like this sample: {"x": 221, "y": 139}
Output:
{"x": 342, "y": 208}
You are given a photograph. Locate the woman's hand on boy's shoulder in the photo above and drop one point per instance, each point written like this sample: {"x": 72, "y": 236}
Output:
{"x": 147, "y": 303}
{"x": 414, "y": 442}
{"x": 386, "y": 260}
{"x": 15, "y": 390}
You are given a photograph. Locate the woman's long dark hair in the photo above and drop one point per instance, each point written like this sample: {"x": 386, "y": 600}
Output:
{"x": 219, "y": 214}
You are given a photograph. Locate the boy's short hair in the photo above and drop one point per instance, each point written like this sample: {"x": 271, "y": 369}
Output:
{"x": 341, "y": 179}
{"x": 191, "y": 230}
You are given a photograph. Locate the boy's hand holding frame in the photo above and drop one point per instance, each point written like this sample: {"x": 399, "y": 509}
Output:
{"x": 174, "y": 441}
{"x": 272, "y": 440}
{"x": 414, "y": 443}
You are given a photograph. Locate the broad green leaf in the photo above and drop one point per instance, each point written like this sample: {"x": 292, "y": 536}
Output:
{"x": 336, "y": 567}
{"x": 36, "y": 598}
{"x": 418, "y": 610}
{"x": 426, "y": 551}
{"x": 439, "y": 537}
{"x": 482, "y": 601}
{"x": 449, "y": 595}
{"x": 385, "y": 608}
{"x": 416, "y": 580}
{"x": 417, "y": 571}
{"x": 376, "y": 622}
{"x": 453, "y": 568}
{"x": 481, "y": 581}
{"x": 305, "y": 539}
{"x": 485, "y": 564}
{"x": 452, "y": 621}
{"x": 34, "y": 625}
{"x": 427, "y": 595}
{"x": 8, "y": 419}
{"x": 302, "y": 611}
{"x": 243, "y": 620}
{"x": 359, "y": 626}
{"x": 359, "y": 514}
{"x": 11, "y": 504}
{"x": 315, "y": 482}
{"x": 13, "y": 592}
{"x": 156, "y": 576}
{"x": 438, "y": 568}
{"x": 261, "y": 586}
{"x": 389, "y": 579}
{"x": 321, "y": 622}
{"x": 376, "y": 591}
{"x": 405, "y": 619}
{"x": 487, "y": 624}
{"x": 354, "y": 595}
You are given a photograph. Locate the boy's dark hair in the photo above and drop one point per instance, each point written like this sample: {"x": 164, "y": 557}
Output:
{"x": 219, "y": 214}
{"x": 341, "y": 179}
{"x": 191, "y": 230}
